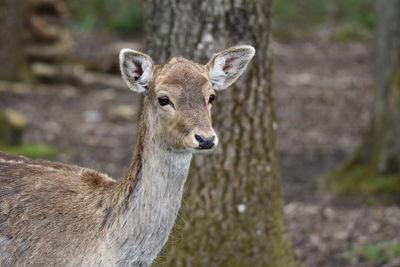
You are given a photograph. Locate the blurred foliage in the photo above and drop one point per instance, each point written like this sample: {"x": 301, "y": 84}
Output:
{"x": 322, "y": 11}
{"x": 351, "y": 19}
{"x": 375, "y": 254}
{"x": 12, "y": 126}
{"x": 351, "y": 32}
{"x": 120, "y": 16}
{"x": 31, "y": 150}
{"x": 294, "y": 18}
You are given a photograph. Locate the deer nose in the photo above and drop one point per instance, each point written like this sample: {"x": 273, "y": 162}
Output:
{"x": 205, "y": 142}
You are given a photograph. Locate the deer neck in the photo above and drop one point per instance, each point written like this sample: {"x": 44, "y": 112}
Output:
{"x": 150, "y": 195}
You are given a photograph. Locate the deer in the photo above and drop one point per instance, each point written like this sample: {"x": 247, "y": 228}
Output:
{"x": 55, "y": 214}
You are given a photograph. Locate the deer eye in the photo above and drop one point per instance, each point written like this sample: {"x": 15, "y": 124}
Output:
{"x": 164, "y": 100}
{"x": 212, "y": 98}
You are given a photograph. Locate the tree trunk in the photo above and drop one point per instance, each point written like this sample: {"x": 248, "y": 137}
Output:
{"x": 374, "y": 168}
{"x": 11, "y": 55}
{"x": 232, "y": 214}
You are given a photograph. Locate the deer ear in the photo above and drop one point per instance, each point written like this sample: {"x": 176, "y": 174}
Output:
{"x": 226, "y": 67}
{"x": 136, "y": 69}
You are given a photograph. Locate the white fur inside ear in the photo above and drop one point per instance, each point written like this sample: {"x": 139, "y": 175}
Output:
{"x": 217, "y": 74}
{"x": 227, "y": 66}
{"x": 136, "y": 69}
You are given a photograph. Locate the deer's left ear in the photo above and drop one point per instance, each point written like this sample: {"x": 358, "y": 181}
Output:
{"x": 226, "y": 67}
{"x": 136, "y": 69}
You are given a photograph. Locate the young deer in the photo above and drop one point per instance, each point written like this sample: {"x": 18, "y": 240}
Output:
{"x": 53, "y": 214}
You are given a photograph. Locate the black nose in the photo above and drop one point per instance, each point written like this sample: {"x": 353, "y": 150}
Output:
{"x": 205, "y": 142}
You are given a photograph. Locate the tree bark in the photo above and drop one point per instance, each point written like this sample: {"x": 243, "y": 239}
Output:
{"x": 232, "y": 214}
{"x": 11, "y": 55}
{"x": 374, "y": 168}
{"x": 386, "y": 116}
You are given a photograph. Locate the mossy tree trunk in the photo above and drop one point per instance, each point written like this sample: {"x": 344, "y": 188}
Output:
{"x": 12, "y": 63}
{"x": 232, "y": 213}
{"x": 374, "y": 168}
{"x": 11, "y": 52}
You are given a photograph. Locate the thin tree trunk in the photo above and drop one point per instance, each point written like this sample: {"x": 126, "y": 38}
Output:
{"x": 11, "y": 52}
{"x": 386, "y": 116}
{"x": 374, "y": 168}
{"x": 232, "y": 214}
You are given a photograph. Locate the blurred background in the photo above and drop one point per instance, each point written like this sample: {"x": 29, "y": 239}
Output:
{"x": 62, "y": 98}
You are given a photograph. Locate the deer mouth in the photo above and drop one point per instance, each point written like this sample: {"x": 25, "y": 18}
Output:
{"x": 204, "y": 149}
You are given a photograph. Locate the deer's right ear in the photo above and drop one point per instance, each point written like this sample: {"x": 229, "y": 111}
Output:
{"x": 136, "y": 69}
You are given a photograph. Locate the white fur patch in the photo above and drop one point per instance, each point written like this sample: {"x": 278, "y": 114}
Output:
{"x": 217, "y": 74}
{"x": 139, "y": 234}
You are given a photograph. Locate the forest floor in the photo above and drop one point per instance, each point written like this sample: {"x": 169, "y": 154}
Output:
{"x": 323, "y": 96}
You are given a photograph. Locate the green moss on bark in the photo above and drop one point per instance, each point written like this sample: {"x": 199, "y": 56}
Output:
{"x": 361, "y": 182}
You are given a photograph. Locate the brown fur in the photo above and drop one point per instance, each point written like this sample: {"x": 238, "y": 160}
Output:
{"x": 54, "y": 214}
{"x": 41, "y": 200}
{"x": 71, "y": 207}
{"x": 188, "y": 86}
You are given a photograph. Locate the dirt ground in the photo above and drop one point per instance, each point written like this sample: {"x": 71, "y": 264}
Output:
{"x": 323, "y": 100}
{"x": 323, "y": 95}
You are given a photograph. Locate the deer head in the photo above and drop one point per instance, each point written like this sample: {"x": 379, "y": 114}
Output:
{"x": 179, "y": 93}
